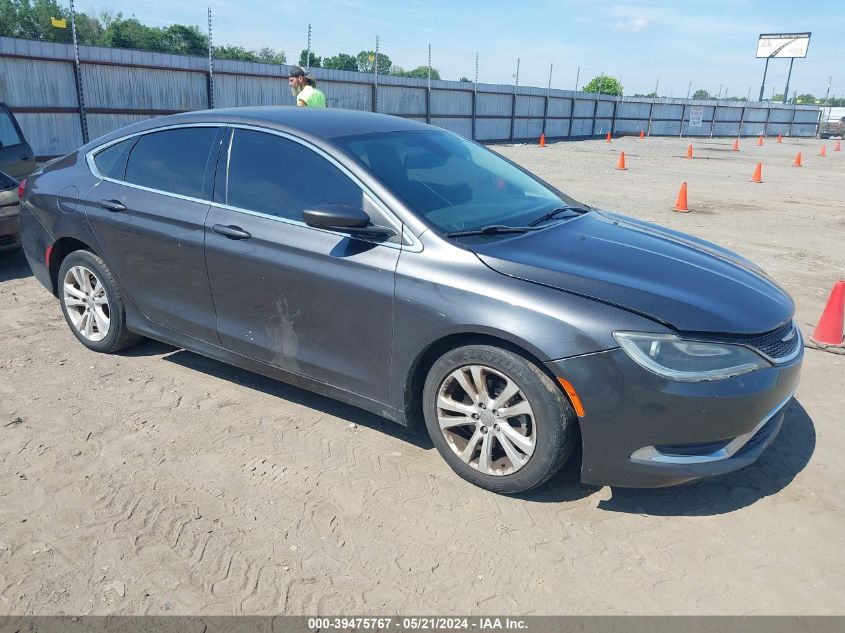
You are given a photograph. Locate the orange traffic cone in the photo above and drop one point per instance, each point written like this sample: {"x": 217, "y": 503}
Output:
{"x": 607, "y": 140}
{"x": 689, "y": 151}
{"x": 758, "y": 173}
{"x": 798, "y": 160}
{"x": 542, "y": 140}
{"x": 837, "y": 147}
{"x": 642, "y": 134}
{"x": 780, "y": 138}
{"x": 736, "y": 145}
{"x": 621, "y": 163}
{"x": 760, "y": 141}
{"x": 830, "y": 326}
{"x": 681, "y": 204}
{"x": 823, "y": 151}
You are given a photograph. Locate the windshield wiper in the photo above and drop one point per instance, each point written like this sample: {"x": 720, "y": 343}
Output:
{"x": 493, "y": 229}
{"x": 555, "y": 212}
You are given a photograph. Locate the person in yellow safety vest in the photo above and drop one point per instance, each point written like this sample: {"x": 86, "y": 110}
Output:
{"x": 304, "y": 89}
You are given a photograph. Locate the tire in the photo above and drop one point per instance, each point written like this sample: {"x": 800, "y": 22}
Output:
{"x": 539, "y": 412}
{"x": 86, "y": 286}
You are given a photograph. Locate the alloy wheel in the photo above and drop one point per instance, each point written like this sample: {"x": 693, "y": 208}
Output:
{"x": 486, "y": 420}
{"x": 87, "y": 303}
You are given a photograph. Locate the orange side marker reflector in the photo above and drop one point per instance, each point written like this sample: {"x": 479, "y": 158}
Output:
{"x": 570, "y": 391}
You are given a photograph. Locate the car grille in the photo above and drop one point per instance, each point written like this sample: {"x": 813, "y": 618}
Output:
{"x": 772, "y": 344}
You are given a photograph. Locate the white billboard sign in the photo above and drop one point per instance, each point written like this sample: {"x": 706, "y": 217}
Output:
{"x": 696, "y": 113}
{"x": 783, "y": 45}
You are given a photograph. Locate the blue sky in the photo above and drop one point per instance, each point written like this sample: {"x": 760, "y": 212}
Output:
{"x": 709, "y": 42}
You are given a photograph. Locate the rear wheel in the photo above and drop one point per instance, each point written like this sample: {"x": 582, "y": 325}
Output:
{"x": 497, "y": 419}
{"x": 92, "y": 304}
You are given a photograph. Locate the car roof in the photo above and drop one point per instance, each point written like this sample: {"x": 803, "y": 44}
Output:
{"x": 317, "y": 123}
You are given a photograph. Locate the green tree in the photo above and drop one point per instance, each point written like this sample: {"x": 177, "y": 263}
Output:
{"x": 341, "y": 61}
{"x": 466, "y": 80}
{"x": 271, "y": 56}
{"x": 367, "y": 63}
{"x": 421, "y": 72}
{"x": 604, "y": 84}
{"x": 132, "y": 34}
{"x": 235, "y": 52}
{"x": 701, "y": 93}
{"x": 806, "y": 98}
{"x": 316, "y": 60}
{"x": 184, "y": 40}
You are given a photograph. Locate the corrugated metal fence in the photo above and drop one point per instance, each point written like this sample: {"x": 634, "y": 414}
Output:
{"x": 37, "y": 81}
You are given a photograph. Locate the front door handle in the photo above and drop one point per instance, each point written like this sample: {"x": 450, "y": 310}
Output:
{"x": 113, "y": 205}
{"x": 232, "y": 232}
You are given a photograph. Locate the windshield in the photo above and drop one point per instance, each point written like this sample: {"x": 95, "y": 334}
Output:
{"x": 457, "y": 185}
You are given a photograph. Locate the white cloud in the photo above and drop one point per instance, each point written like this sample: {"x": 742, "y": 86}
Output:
{"x": 632, "y": 24}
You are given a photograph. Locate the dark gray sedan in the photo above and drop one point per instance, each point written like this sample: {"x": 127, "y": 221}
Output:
{"x": 415, "y": 274}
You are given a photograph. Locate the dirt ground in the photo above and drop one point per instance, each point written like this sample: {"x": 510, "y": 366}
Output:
{"x": 160, "y": 482}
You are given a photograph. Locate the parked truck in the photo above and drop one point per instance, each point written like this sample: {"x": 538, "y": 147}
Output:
{"x": 832, "y": 127}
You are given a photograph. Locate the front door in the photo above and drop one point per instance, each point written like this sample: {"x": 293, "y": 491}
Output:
{"x": 148, "y": 214}
{"x": 310, "y": 301}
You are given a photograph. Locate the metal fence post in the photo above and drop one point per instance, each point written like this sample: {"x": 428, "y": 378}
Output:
{"x": 792, "y": 121}
{"x": 713, "y": 119}
{"x": 768, "y": 118}
{"x": 595, "y": 111}
{"x": 683, "y": 117}
{"x": 741, "y": 122}
{"x": 211, "y": 63}
{"x": 475, "y": 101}
{"x": 613, "y": 119}
{"x": 77, "y": 72}
{"x": 428, "y": 90}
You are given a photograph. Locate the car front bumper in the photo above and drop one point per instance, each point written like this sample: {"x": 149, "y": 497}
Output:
{"x": 640, "y": 430}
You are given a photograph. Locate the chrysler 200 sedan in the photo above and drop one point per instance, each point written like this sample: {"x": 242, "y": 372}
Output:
{"x": 415, "y": 274}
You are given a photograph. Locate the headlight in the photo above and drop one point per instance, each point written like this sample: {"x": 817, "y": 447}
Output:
{"x": 689, "y": 361}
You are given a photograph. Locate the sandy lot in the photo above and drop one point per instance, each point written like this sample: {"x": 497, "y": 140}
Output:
{"x": 159, "y": 482}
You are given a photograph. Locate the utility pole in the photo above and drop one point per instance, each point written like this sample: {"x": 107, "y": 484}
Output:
{"x": 517, "y": 73}
{"x": 689, "y": 89}
{"x": 827, "y": 94}
{"x": 577, "y": 77}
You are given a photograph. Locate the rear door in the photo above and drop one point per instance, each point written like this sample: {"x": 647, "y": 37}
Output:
{"x": 16, "y": 157}
{"x": 314, "y": 302}
{"x": 148, "y": 213}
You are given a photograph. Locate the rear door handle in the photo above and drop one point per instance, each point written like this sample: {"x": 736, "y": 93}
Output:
{"x": 113, "y": 205}
{"x": 232, "y": 232}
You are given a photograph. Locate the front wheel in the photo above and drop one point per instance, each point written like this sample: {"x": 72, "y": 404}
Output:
{"x": 497, "y": 419}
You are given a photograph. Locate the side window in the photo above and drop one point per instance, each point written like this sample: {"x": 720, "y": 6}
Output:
{"x": 280, "y": 177}
{"x": 172, "y": 160}
{"x": 8, "y": 134}
{"x": 111, "y": 162}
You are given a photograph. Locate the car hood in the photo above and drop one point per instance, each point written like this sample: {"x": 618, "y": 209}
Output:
{"x": 676, "y": 279}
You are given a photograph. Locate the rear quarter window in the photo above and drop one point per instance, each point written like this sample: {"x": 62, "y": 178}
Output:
{"x": 111, "y": 162}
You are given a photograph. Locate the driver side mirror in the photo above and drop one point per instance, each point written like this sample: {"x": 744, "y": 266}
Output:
{"x": 345, "y": 219}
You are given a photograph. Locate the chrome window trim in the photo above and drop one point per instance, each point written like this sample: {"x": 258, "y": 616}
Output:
{"x": 408, "y": 241}
{"x": 650, "y": 455}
